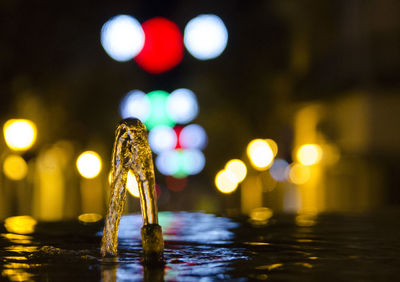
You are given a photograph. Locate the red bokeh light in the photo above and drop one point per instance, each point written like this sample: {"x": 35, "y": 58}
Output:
{"x": 163, "y": 46}
{"x": 178, "y": 130}
{"x": 176, "y": 184}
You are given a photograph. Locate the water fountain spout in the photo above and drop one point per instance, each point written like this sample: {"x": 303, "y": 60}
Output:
{"x": 131, "y": 152}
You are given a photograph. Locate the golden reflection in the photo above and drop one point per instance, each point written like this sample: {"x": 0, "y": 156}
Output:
{"x": 299, "y": 174}
{"x": 260, "y": 216}
{"x": 89, "y": 164}
{"x": 238, "y": 168}
{"x": 260, "y": 154}
{"x": 19, "y": 134}
{"x": 16, "y": 274}
{"x": 17, "y": 238}
{"x": 15, "y": 167}
{"x": 306, "y": 219}
{"x": 20, "y": 224}
{"x": 269, "y": 267}
{"x": 309, "y": 154}
{"x": 15, "y": 258}
{"x": 89, "y": 217}
{"x": 21, "y": 249}
{"x": 251, "y": 194}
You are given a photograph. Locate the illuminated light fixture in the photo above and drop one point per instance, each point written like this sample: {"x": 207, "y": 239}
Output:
{"x": 238, "y": 168}
{"x": 122, "y": 37}
{"x": 89, "y": 164}
{"x": 15, "y": 167}
{"x": 87, "y": 218}
{"x": 309, "y": 154}
{"x": 163, "y": 46}
{"x": 193, "y": 161}
{"x": 158, "y": 110}
{"x": 132, "y": 185}
{"x": 299, "y": 174}
{"x": 135, "y": 104}
{"x": 23, "y": 224}
{"x": 260, "y": 154}
{"x": 193, "y": 136}
{"x": 176, "y": 184}
{"x": 167, "y": 162}
{"x": 205, "y": 36}
{"x": 274, "y": 147}
{"x": 19, "y": 134}
{"x": 279, "y": 170}
{"x": 162, "y": 138}
{"x": 226, "y": 182}
{"x": 182, "y": 106}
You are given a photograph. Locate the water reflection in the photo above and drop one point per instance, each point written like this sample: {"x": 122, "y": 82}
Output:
{"x": 298, "y": 247}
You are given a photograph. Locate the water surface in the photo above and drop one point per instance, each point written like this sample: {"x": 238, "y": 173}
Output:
{"x": 207, "y": 247}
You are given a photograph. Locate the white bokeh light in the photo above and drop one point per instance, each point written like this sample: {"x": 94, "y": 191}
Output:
{"x": 182, "y": 105}
{"x": 279, "y": 170}
{"x": 122, "y": 37}
{"x": 135, "y": 104}
{"x": 167, "y": 162}
{"x": 194, "y": 161}
{"x": 162, "y": 138}
{"x": 193, "y": 136}
{"x": 205, "y": 36}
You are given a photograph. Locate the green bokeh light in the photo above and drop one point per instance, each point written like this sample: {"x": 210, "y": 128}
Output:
{"x": 158, "y": 110}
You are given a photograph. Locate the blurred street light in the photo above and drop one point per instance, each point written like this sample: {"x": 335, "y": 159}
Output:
{"x": 89, "y": 164}
{"x": 260, "y": 154}
{"x": 19, "y": 134}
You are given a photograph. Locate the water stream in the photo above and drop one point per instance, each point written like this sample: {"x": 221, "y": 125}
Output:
{"x": 131, "y": 152}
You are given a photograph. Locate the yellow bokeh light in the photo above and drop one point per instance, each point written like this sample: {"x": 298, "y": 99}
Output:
{"x": 89, "y": 164}
{"x": 15, "y": 167}
{"x": 299, "y": 174}
{"x": 260, "y": 154}
{"x": 309, "y": 154}
{"x": 20, "y": 224}
{"x": 132, "y": 185}
{"x": 274, "y": 147}
{"x": 226, "y": 182}
{"x": 19, "y": 134}
{"x": 238, "y": 168}
{"x": 89, "y": 218}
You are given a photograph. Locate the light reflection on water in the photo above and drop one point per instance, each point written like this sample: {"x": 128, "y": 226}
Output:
{"x": 206, "y": 247}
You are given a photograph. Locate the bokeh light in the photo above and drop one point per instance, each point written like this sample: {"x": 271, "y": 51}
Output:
{"x": 135, "y": 104}
{"x": 176, "y": 184}
{"x": 238, "y": 168}
{"x": 87, "y": 218}
{"x": 309, "y": 154}
{"x": 158, "y": 110}
{"x": 15, "y": 167}
{"x": 193, "y": 136}
{"x": 279, "y": 170}
{"x": 182, "y": 105}
{"x": 163, "y": 46}
{"x": 205, "y": 36}
{"x": 226, "y": 182}
{"x": 122, "y": 37}
{"x": 132, "y": 185}
{"x": 89, "y": 164}
{"x": 299, "y": 174}
{"x": 260, "y": 216}
{"x": 167, "y": 162}
{"x": 22, "y": 224}
{"x": 193, "y": 161}
{"x": 162, "y": 138}
{"x": 272, "y": 144}
{"x": 260, "y": 154}
{"x": 19, "y": 134}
